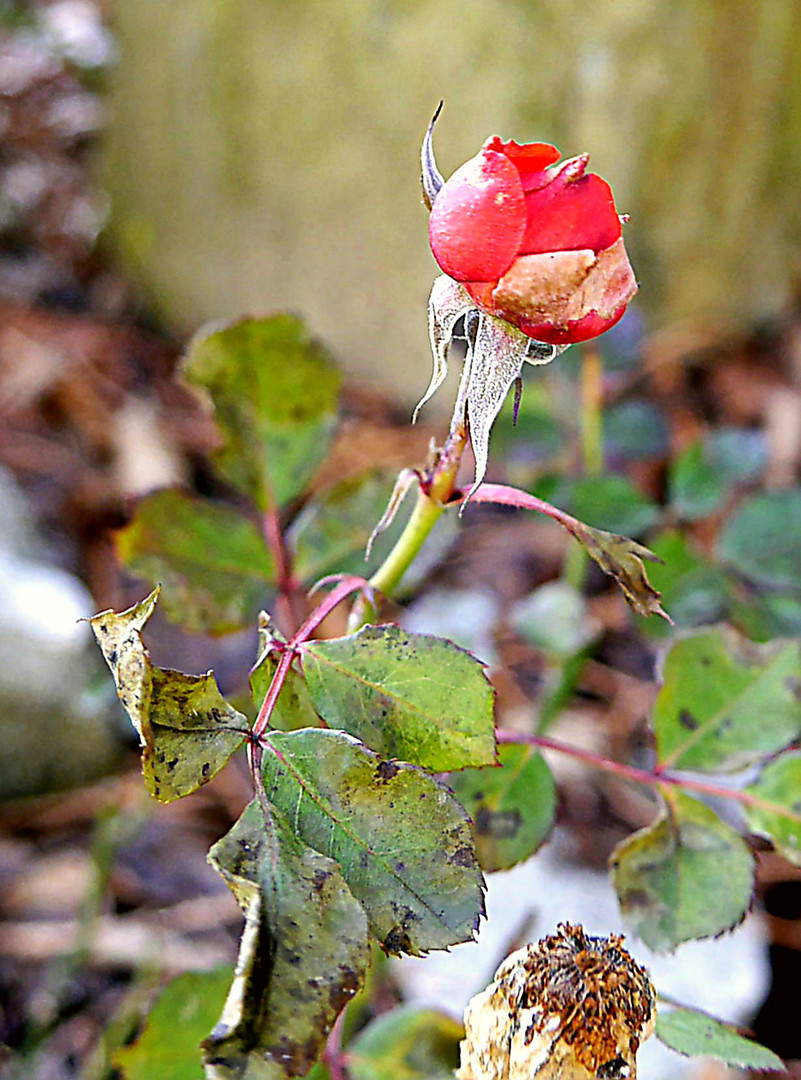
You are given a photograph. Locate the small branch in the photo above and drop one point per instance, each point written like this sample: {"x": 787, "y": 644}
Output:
{"x": 333, "y": 1055}
{"x": 345, "y": 587}
{"x": 290, "y": 613}
{"x": 653, "y": 778}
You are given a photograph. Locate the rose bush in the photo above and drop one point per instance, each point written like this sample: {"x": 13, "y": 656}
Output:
{"x": 535, "y": 244}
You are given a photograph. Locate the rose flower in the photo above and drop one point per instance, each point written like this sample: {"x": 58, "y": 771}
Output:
{"x": 533, "y": 243}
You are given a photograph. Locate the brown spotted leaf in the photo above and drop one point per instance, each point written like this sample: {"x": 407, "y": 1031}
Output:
{"x": 186, "y": 728}
{"x": 402, "y": 841}
{"x": 686, "y": 876}
{"x": 303, "y": 954}
{"x": 726, "y": 703}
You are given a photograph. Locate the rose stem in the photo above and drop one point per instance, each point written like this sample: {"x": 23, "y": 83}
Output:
{"x": 437, "y": 486}
{"x": 653, "y": 778}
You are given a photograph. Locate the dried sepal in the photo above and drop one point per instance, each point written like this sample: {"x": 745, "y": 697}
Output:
{"x": 496, "y": 362}
{"x": 430, "y": 177}
{"x": 572, "y": 1007}
{"x": 447, "y": 304}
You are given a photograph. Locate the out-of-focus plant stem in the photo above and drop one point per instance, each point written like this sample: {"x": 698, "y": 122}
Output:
{"x": 592, "y": 447}
{"x": 561, "y": 680}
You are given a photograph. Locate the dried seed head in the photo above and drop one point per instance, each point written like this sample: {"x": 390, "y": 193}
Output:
{"x": 572, "y": 1007}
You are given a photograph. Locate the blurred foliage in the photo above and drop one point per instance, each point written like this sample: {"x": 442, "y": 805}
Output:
{"x": 289, "y": 132}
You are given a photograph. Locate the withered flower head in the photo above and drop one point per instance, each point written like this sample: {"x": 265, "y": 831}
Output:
{"x": 572, "y": 1007}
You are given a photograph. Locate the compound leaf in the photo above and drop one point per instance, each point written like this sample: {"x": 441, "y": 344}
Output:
{"x": 512, "y": 807}
{"x": 275, "y": 393}
{"x": 407, "y": 1043}
{"x": 303, "y": 955}
{"x": 778, "y": 814}
{"x": 694, "y": 1034}
{"x": 686, "y": 876}
{"x": 410, "y": 696}
{"x": 186, "y": 728}
{"x": 401, "y": 839}
{"x": 726, "y": 702}
{"x": 211, "y": 560}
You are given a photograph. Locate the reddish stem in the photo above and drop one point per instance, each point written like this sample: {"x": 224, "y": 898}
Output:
{"x": 654, "y": 778}
{"x": 345, "y": 587}
{"x": 290, "y": 612}
{"x": 510, "y": 496}
{"x": 333, "y": 1056}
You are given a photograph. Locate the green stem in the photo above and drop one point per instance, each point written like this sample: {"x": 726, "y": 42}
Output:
{"x": 592, "y": 437}
{"x": 424, "y": 516}
{"x": 437, "y": 486}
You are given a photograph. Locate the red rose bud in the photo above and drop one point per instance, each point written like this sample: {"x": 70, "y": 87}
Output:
{"x": 537, "y": 245}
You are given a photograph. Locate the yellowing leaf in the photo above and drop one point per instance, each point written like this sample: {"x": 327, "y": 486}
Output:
{"x": 186, "y": 728}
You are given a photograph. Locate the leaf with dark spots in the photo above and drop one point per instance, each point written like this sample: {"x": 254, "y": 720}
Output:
{"x": 686, "y": 876}
{"x": 687, "y": 720}
{"x": 512, "y": 806}
{"x": 329, "y": 787}
{"x": 303, "y": 955}
{"x": 415, "y": 697}
{"x": 186, "y": 728}
{"x": 726, "y": 703}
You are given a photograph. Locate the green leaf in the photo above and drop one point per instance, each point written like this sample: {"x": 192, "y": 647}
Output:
{"x": 686, "y": 876}
{"x": 725, "y": 702}
{"x": 739, "y": 454}
{"x": 762, "y": 540}
{"x": 186, "y": 728}
{"x": 294, "y": 708}
{"x": 696, "y": 486}
{"x": 512, "y": 807}
{"x": 211, "y": 560}
{"x": 694, "y": 1034}
{"x": 330, "y": 534}
{"x": 401, "y": 839}
{"x": 635, "y": 430}
{"x": 612, "y": 502}
{"x": 169, "y": 1046}
{"x": 303, "y": 954}
{"x": 779, "y": 785}
{"x": 767, "y": 616}
{"x": 407, "y": 1043}
{"x": 410, "y": 696}
{"x": 275, "y": 392}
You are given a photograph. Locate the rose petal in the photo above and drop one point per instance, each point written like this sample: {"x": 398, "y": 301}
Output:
{"x": 478, "y": 219}
{"x": 564, "y": 296}
{"x": 574, "y": 210}
{"x": 530, "y": 159}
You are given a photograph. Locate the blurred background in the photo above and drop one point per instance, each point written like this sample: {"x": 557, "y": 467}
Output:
{"x": 163, "y": 165}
